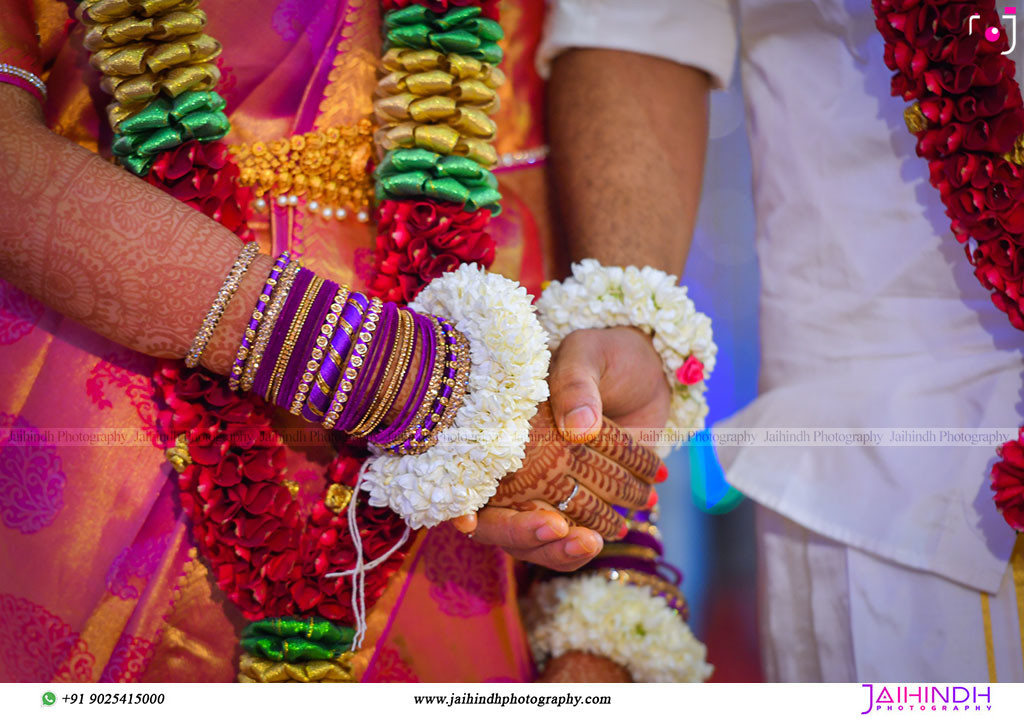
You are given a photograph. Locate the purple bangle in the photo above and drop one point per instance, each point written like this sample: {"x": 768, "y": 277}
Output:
{"x": 302, "y": 280}
{"x": 445, "y": 353}
{"x": 419, "y": 390}
{"x": 254, "y": 323}
{"x": 447, "y": 387}
{"x": 436, "y": 358}
{"x": 298, "y": 363}
{"x": 355, "y": 361}
{"x": 319, "y": 346}
{"x": 337, "y": 352}
{"x": 636, "y": 537}
{"x": 25, "y": 85}
{"x": 368, "y": 383}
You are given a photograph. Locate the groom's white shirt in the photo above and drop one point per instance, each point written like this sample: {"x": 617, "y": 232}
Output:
{"x": 870, "y": 314}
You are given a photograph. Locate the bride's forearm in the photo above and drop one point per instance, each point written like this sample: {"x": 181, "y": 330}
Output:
{"x": 107, "y": 249}
{"x": 115, "y": 254}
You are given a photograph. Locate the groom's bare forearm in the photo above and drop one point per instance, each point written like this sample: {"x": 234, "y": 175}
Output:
{"x": 628, "y": 135}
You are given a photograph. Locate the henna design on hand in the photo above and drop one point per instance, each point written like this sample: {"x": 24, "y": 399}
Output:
{"x": 553, "y": 466}
{"x": 108, "y": 250}
{"x": 608, "y": 479}
{"x": 618, "y": 444}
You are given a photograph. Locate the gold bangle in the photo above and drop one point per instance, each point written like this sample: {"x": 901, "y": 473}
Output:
{"x": 220, "y": 303}
{"x": 643, "y": 526}
{"x": 395, "y": 382}
{"x": 628, "y": 550}
{"x": 444, "y": 413}
{"x": 323, "y": 342}
{"x": 645, "y": 580}
{"x": 384, "y": 372}
{"x": 398, "y": 363}
{"x": 450, "y": 406}
{"x": 277, "y": 377}
{"x": 281, "y": 291}
{"x": 433, "y": 388}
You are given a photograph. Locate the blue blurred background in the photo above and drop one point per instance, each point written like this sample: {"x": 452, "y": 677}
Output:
{"x": 716, "y": 552}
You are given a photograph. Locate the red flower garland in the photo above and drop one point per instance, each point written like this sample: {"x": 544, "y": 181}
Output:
{"x": 267, "y": 554}
{"x": 201, "y": 175}
{"x": 974, "y": 114}
{"x": 417, "y": 241}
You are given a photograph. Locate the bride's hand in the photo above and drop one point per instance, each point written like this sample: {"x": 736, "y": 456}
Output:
{"x": 582, "y": 480}
{"x": 559, "y": 480}
{"x": 612, "y": 371}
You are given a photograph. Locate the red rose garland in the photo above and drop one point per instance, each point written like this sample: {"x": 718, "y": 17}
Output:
{"x": 201, "y": 175}
{"x": 417, "y": 241}
{"x": 971, "y": 115}
{"x": 268, "y": 555}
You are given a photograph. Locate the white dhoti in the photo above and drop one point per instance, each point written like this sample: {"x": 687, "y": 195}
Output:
{"x": 872, "y": 323}
{"x": 832, "y": 613}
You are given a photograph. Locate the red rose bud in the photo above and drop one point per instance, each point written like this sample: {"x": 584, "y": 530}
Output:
{"x": 691, "y": 372}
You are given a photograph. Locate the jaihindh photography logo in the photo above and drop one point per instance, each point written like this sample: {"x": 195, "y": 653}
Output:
{"x": 924, "y": 698}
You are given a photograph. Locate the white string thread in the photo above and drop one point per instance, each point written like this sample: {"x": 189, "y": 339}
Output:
{"x": 358, "y": 573}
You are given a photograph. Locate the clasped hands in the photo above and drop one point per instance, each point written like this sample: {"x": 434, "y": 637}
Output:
{"x": 602, "y": 381}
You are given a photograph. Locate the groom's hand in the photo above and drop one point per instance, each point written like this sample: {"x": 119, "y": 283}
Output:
{"x": 615, "y": 372}
{"x": 611, "y": 372}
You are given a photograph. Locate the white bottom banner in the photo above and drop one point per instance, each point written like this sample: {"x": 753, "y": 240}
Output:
{"x": 810, "y": 700}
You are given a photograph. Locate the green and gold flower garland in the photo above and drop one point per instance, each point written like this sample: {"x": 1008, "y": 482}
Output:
{"x": 267, "y": 553}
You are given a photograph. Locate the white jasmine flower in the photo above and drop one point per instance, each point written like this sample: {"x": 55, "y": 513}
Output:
{"x": 602, "y": 297}
{"x": 488, "y": 438}
{"x": 625, "y": 623}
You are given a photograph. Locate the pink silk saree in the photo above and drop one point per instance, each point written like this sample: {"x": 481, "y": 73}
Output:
{"x": 101, "y": 580}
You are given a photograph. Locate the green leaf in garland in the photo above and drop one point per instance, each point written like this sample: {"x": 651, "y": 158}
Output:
{"x": 420, "y": 172}
{"x": 287, "y": 649}
{"x": 411, "y": 15}
{"x": 165, "y": 124}
{"x": 292, "y": 639}
{"x": 460, "y": 30}
{"x": 446, "y": 190}
{"x": 317, "y": 629}
{"x": 462, "y": 42}
{"x": 457, "y": 16}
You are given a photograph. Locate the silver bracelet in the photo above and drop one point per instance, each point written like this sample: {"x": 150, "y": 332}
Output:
{"x": 6, "y": 69}
{"x": 213, "y": 316}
